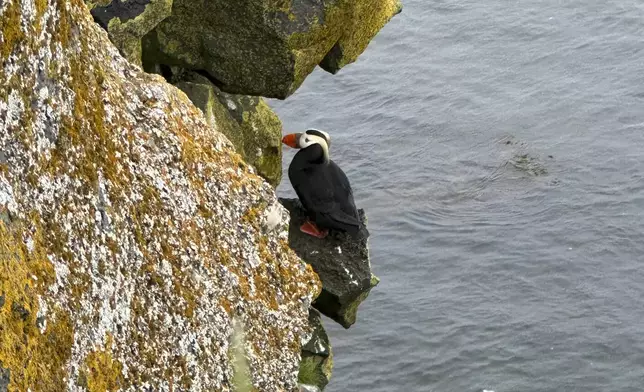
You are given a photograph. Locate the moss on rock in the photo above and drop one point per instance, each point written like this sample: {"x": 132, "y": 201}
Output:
{"x": 263, "y": 47}
{"x": 367, "y": 18}
{"x": 316, "y": 366}
{"x": 249, "y": 123}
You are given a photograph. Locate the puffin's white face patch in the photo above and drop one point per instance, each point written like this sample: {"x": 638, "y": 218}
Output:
{"x": 319, "y": 133}
{"x": 309, "y": 140}
{"x": 311, "y": 137}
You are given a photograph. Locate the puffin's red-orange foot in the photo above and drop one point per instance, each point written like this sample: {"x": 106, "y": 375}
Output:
{"x": 311, "y": 229}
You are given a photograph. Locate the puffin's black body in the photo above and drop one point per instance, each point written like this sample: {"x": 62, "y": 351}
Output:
{"x": 325, "y": 192}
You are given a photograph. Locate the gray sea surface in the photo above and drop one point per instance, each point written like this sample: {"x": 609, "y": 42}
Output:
{"x": 498, "y": 149}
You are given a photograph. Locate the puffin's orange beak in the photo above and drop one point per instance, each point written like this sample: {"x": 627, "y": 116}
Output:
{"x": 291, "y": 140}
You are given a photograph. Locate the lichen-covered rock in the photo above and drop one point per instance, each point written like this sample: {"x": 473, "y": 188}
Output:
{"x": 367, "y": 18}
{"x": 128, "y": 21}
{"x": 317, "y": 357}
{"x": 249, "y": 123}
{"x": 264, "y": 47}
{"x": 133, "y": 234}
{"x": 341, "y": 262}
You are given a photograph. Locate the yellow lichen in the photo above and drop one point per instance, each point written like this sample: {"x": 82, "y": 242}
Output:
{"x": 10, "y": 28}
{"x": 366, "y": 19}
{"x": 41, "y": 7}
{"x": 64, "y": 30}
{"x": 279, "y": 5}
{"x": 102, "y": 372}
{"x": 36, "y": 360}
{"x": 252, "y": 216}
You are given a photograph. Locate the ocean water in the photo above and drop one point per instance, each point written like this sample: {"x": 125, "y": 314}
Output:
{"x": 498, "y": 149}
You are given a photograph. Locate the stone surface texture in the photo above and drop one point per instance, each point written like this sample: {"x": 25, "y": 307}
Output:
{"x": 132, "y": 235}
{"x": 341, "y": 262}
{"x": 265, "y": 47}
{"x": 5, "y": 377}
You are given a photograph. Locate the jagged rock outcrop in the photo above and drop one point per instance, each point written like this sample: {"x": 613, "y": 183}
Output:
{"x": 317, "y": 356}
{"x": 367, "y": 18}
{"x": 265, "y": 47}
{"x": 128, "y": 21}
{"x": 248, "y": 122}
{"x": 133, "y": 237}
{"x": 341, "y": 262}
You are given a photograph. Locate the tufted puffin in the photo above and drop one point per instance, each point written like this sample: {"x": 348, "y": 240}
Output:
{"x": 322, "y": 187}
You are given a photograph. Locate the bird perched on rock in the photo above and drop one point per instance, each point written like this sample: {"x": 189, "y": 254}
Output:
{"x": 322, "y": 187}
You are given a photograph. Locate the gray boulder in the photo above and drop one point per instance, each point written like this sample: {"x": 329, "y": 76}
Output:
{"x": 318, "y": 344}
{"x": 341, "y": 262}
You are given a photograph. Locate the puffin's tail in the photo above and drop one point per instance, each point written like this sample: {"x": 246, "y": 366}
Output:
{"x": 359, "y": 233}
{"x": 363, "y": 232}
{"x": 344, "y": 222}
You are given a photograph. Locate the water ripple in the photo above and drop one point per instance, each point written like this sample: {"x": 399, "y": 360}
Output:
{"x": 496, "y": 147}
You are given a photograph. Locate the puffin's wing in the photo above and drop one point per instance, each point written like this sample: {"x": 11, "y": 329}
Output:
{"x": 342, "y": 217}
{"x": 341, "y": 179}
{"x": 344, "y": 193}
{"x": 315, "y": 193}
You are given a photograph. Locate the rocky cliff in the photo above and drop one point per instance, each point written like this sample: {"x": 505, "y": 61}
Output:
{"x": 141, "y": 246}
{"x": 132, "y": 233}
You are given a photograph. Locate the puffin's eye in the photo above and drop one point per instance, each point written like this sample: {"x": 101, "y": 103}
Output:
{"x": 306, "y": 140}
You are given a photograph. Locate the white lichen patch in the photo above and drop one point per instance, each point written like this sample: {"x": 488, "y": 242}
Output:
{"x": 28, "y": 13}
{"x": 7, "y": 200}
{"x": 11, "y": 111}
{"x": 275, "y": 216}
{"x": 140, "y": 209}
{"x": 43, "y": 309}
